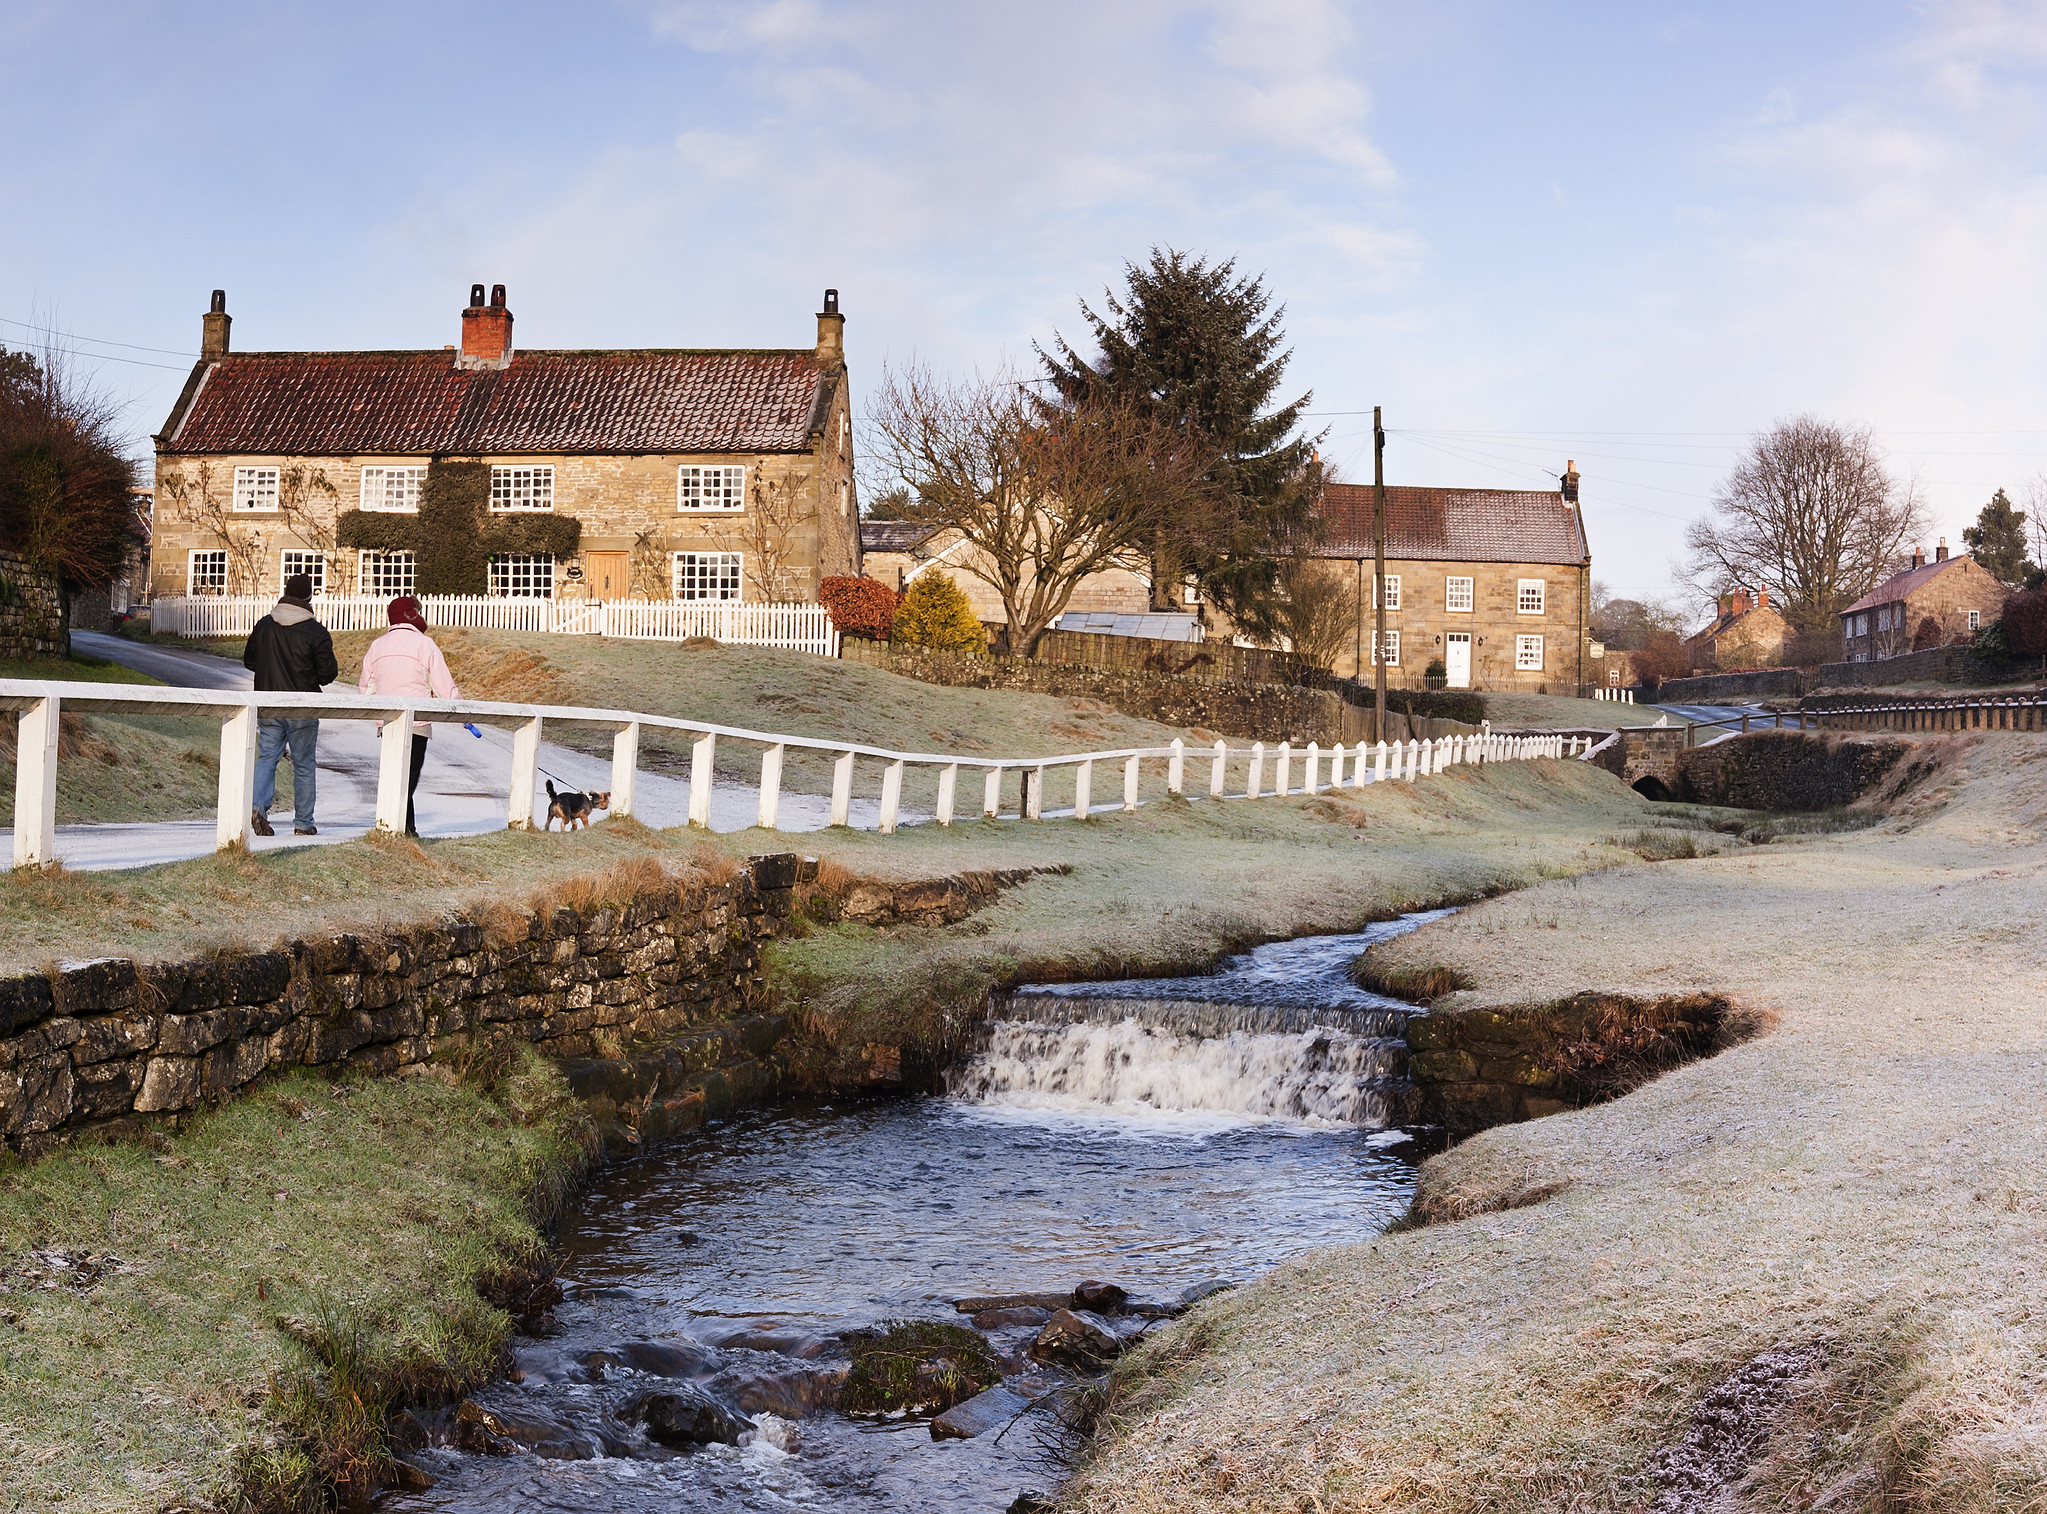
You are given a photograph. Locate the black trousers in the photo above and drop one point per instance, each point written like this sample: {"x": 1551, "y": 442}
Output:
{"x": 412, "y": 786}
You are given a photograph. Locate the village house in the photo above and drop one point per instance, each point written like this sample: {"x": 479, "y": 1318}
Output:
{"x": 898, "y": 552}
{"x": 1957, "y": 594}
{"x": 1746, "y": 631}
{"x": 645, "y": 473}
{"x": 1489, "y": 588}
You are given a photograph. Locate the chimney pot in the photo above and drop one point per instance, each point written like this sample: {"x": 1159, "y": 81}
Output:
{"x": 486, "y": 331}
{"x": 213, "y": 328}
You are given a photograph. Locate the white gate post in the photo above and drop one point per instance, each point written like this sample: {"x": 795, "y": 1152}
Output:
{"x": 1286, "y": 769}
{"x": 1257, "y": 775}
{"x": 237, "y": 778}
{"x": 1034, "y": 794}
{"x": 1219, "y": 772}
{"x": 771, "y": 786}
{"x": 991, "y": 794}
{"x": 891, "y": 796}
{"x": 703, "y": 766}
{"x": 1379, "y": 763}
{"x": 1176, "y": 768}
{"x": 35, "y": 784}
{"x": 1414, "y": 759}
{"x": 1130, "y": 783}
{"x": 1083, "y": 788}
{"x": 525, "y": 775}
{"x": 625, "y": 768}
{"x": 842, "y": 789}
{"x": 394, "y": 769}
{"x": 948, "y": 785}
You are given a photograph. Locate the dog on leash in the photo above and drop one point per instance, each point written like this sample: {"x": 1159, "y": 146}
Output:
{"x": 573, "y": 809}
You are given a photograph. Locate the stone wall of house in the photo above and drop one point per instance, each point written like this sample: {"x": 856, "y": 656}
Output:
{"x": 626, "y": 504}
{"x": 33, "y": 619}
{"x": 1760, "y": 683}
{"x": 1788, "y": 772}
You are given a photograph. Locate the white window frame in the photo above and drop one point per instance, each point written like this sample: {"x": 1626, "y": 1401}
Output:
{"x": 711, "y": 488}
{"x": 255, "y": 491}
{"x": 1528, "y": 654}
{"x": 215, "y": 582}
{"x": 715, "y": 571}
{"x": 379, "y": 482}
{"x": 374, "y": 572}
{"x": 1450, "y": 595}
{"x": 1392, "y": 594}
{"x": 522, "y": 575}
{"x": 317, "y": 571}
{"x": 1530, "y": 597}
{"x": 1392, "y": 647}
{"x": 1975, "y": 620}
{"x": 521, "y": 487}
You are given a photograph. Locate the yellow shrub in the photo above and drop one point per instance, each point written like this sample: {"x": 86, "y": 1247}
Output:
{"x": 934, "y": 613}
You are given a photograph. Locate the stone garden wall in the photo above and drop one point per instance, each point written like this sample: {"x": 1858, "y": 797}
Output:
{"x": 1787, "y": 772}
{"x": 32, "y": 618}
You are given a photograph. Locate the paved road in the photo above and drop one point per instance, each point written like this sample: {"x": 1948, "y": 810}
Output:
{"x": 462, "y": 789}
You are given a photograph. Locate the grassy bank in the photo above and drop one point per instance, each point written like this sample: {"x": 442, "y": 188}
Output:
{"x": 114, "y": 768}
{"x": 152, "y": 1296}
{"x": 1800, "y": 1274}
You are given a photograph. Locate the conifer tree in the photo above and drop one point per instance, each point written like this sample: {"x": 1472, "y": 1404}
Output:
{"x": 935, "y": 613}
{"x": 1199, "y": 347}
{"x": 1998, "y": 541}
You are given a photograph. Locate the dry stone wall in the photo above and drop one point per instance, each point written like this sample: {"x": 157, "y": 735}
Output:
{"x": 33, "y": 622}
{"x": 103, "y": 1045}
{"x": 1788, "y": 772}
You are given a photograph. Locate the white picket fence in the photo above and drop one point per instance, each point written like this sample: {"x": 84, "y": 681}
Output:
{"x": 798, "y": 628}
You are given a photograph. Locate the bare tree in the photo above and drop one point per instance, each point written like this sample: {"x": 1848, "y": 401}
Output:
{"x": 764, "y": 534}
{"x": 65, "y": 502}
{"x": 1046, "y": 495}
{"x": 1315, "y": 609}
{"x": 1810, "y": 512}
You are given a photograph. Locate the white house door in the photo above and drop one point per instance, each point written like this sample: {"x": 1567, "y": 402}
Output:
{"x": 1457, "y": 659}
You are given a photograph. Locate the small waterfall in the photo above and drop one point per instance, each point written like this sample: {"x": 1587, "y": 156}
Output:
{"x": 1280, "y": 1033}
{"x": 1326, "y": 1076}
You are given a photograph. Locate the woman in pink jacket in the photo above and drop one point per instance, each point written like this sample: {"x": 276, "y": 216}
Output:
{"x": 404, "y": 660}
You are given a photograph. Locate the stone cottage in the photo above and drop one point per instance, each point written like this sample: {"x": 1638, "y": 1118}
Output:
{"x": 1746, "y": 631}
{"x": 643, "y": 473}
{"x": 1493, "y": 585}
{"x": 1957, "y": 594}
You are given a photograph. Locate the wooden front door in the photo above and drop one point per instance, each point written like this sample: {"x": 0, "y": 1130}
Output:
{"x": 610, "y": 573}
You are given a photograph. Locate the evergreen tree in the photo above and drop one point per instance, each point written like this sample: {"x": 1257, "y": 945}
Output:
{"x": 1196, "y": 346}
{"x": 1998, "y": 541}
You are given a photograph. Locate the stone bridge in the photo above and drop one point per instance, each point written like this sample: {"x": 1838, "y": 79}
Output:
{"x": 1647, "y": 759}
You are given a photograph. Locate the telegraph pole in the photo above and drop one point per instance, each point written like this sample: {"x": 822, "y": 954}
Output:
{"x": 1379, "y": 571}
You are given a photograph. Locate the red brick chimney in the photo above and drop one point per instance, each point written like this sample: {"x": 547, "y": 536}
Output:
{"x": 486, "y": 331}
{"x": 1918, "y": 557}
{"x": 1737, "y": 602}
{"x": 1763, "y": 597}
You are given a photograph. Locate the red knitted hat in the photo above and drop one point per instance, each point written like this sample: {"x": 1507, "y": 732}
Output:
{"x": 405, "y": 611}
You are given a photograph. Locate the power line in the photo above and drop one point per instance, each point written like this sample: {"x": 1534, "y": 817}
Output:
{"x": 73, "y": 336}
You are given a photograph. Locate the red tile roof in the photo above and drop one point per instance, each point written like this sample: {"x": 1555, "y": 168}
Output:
{"x": 320, "y": 404}
{"x": 1454, "y": 525}
{"x": 1903, "y": 585}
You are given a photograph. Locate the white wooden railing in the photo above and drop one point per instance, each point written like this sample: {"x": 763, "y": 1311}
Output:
{"x": 39, "y": 704}
{"x": 801, "y": 628}
{"x": 1621, "y": 696}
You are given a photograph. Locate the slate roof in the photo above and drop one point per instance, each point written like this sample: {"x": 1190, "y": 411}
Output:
{"x": 1903, "y": 585}
{"x": 895, "y": 535}
{"x": 1454, "y": 525}
{"x": 323, "y": 404}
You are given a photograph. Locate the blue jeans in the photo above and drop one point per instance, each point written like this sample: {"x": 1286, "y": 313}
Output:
{"x": 273, "y": 738}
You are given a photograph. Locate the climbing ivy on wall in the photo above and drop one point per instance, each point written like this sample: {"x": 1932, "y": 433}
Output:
{"x": 454, "y": 535}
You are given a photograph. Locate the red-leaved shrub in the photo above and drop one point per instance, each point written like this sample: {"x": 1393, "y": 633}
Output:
{"x": 859, "y": 606}
{"x": 2025, "y": 623}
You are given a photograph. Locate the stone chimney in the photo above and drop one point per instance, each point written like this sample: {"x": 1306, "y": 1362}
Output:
{"x": 1918, "y": 557}
{"x": 486, "y": 331}
{"x": 1940, "y": 552}
{"x": 831, "y": 333}
{"x": 213, "y": 329}
{"x": 1570, "y": 481}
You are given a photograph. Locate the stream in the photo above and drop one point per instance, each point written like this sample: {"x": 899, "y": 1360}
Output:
{"x": 1166, "y": 1136}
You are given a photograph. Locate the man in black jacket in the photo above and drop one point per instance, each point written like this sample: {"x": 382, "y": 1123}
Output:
{"x": 289, "y": 651}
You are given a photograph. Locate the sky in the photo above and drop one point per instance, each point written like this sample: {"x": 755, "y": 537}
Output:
{"x": 1632, "y": 234}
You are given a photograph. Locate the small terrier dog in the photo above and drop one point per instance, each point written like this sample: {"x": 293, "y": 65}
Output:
{"x": 572, "y": 808}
